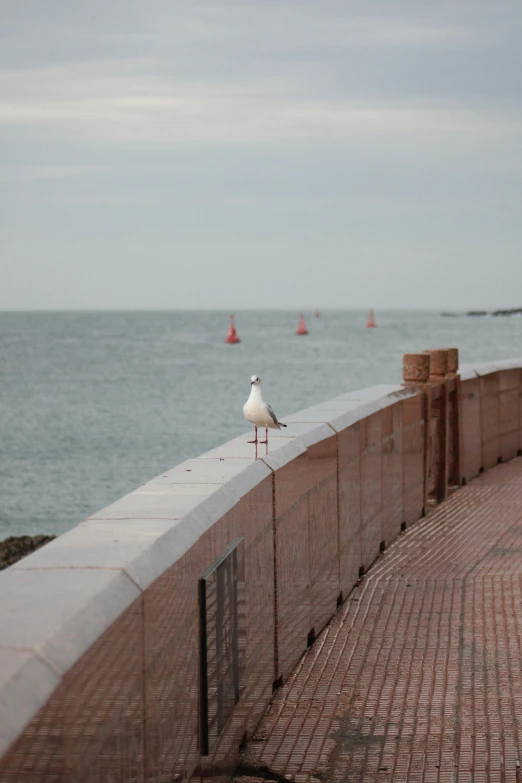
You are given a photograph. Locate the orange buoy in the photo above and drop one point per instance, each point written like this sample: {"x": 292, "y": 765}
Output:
{"x": 232, "y": 334}
{"x": 301, "y": 329}
{"x": 371, "y": 321}
{"x": 316, "y": 313}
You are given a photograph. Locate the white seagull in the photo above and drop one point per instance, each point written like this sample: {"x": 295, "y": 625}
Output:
{"x": 258, "y": 412}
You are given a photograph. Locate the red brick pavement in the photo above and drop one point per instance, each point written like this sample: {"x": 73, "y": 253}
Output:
{"x": 419, "y": 675}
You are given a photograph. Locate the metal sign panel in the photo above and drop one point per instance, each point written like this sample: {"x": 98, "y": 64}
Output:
{"x": 222, "y": 642}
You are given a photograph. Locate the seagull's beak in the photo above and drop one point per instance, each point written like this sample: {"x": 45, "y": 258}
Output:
{"x": 251, "y": 383}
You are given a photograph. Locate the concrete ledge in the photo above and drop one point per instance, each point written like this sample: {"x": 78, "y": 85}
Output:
{"x": 467, "y": 372}
{"x": 58, "y": 612}
{"x": 26, "y": 682}
{"x": 486, "y": 368}
{"x": 287, "y": 452}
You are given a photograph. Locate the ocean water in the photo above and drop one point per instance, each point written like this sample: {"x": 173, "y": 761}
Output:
{"x": 93, "y": 404}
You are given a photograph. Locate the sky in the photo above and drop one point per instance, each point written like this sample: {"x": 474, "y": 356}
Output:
{"x": 165, "y": 154}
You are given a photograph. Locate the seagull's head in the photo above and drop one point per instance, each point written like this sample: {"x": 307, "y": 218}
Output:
{"x": 255, "y": 380}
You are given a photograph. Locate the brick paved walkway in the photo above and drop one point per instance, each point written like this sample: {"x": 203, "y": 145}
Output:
{"x": 419, "y": 676}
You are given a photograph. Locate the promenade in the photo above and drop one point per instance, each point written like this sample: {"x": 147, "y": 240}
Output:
{"x": 343, "y": 604}
{"x": 419, "y": 675}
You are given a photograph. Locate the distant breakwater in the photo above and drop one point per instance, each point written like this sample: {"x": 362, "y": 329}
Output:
{"x": 487, "y": 313}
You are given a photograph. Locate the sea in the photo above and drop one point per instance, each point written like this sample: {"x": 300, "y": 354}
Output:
{"x": 94, "y": 404}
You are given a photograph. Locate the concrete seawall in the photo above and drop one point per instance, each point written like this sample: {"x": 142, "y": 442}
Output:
{"x": 145, "y": 643}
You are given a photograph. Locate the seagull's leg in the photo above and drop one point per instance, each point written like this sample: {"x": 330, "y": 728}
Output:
{"x": 255, "y": 435}
{"x": 266, "y": 437}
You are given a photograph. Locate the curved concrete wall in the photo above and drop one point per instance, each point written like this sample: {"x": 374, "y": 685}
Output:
{"x": 491, "y": 414}
{"x": 100, "y": 629}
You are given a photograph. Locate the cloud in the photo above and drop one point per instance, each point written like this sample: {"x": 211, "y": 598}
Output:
{"x": 212, "y": 74}
{"x": 13, "y": 174}
{"x": 173, "y": 27}
{"x": 111, "y": 103}
{"x": 192, "y": 136}
{"x": 235, "y": 73}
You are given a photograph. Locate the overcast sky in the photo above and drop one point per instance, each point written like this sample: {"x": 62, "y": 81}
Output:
{"x": 260, "y": 153}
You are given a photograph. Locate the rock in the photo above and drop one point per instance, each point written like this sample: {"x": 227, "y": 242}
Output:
{"x": 16, "y": 547}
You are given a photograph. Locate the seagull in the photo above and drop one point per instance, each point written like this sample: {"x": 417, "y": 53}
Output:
{"x": 258, "y": 412}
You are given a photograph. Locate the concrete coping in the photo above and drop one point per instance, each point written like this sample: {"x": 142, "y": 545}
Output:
{"x": 478, "y": 369}
{"x": 508, "y": 364}
{"x": 467, "y": 372}
{"x": 60, "y": 599}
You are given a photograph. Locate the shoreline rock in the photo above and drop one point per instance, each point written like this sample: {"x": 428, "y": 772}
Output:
{"x": 14, "y": 548}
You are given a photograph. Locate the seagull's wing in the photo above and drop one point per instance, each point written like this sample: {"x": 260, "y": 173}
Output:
{"x": 274, "y": 417}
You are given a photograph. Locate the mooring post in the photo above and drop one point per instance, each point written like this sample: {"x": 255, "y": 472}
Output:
{"x": 416, "y": 372}
{"x": 455, "y": 469}
{"x": 440, "y": 408}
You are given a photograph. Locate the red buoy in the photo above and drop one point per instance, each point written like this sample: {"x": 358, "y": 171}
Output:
{"x": 232, "y": 334}
{"x": 301, "y": 329}
{"x": 371, "y": 321}
{"x": 316, "y": 313}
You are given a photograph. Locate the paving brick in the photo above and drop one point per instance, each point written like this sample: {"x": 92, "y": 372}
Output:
{"x": 418, "y": 677}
